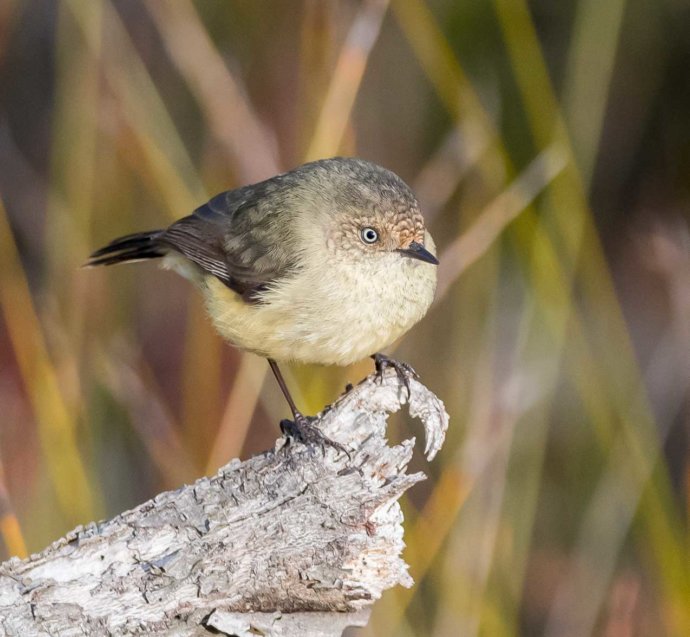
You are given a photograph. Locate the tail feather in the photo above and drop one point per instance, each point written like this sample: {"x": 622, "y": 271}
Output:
{"x": 132, "y": 247}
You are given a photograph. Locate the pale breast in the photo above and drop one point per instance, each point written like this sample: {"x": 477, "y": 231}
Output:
{"x": 330, "y": 313}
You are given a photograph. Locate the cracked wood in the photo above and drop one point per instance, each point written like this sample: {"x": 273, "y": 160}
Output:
{"x": 295, "y": 534}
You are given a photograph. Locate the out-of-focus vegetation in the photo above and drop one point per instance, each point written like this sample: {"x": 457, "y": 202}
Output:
{"x": 548, "y": 142}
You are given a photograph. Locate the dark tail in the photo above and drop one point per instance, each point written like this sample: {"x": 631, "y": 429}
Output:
{"x": 133, "y": 247}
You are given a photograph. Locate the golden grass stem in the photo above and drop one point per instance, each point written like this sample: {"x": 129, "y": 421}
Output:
{"x": 57, "y": 430}
{"x": 134, "y": 387}
{"x": 239, "y": 409}
{"x": 496, "y": 216}
{"x": 347, "y": 77}
{"x": 10, "y": 529}
{"x": 230, "y": 115}
{"x": 588, "y": 76}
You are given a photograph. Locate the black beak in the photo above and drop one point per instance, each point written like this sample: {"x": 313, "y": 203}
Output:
{"x": 418, "y": 251}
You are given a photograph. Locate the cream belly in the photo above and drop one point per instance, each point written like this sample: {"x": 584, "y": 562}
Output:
{"x": 338, "y": 316}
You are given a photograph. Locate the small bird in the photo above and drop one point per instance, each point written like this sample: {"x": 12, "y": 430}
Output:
{"x": 328, "y": 263}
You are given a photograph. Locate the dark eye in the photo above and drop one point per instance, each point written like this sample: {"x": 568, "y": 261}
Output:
{"x": 369, "y": 235}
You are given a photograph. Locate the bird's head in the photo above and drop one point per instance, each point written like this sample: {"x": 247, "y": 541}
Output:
{"x": 368, "y": 213}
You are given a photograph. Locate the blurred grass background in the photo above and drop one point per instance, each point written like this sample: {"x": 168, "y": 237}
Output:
{"x": 549, "y": 145}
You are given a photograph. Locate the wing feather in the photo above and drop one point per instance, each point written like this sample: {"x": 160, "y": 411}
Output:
{"x": 237, "y": 237}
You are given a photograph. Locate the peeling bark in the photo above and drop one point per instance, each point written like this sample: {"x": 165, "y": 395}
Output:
{"x": 298, "y": 540}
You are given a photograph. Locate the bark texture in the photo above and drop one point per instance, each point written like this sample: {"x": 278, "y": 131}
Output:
{"x": 298, "y": 540}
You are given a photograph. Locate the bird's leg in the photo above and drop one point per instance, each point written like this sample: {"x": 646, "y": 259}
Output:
{"x": 403, "y": 370}
{"x": 302, "y": 427}
{"x": 286, "y": 392}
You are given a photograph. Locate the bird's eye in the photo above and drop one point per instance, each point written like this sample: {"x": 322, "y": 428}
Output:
{"x": 369, "y": 235}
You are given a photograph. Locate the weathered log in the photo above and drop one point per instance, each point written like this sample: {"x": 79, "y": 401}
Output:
{"x": 298, "y": 540}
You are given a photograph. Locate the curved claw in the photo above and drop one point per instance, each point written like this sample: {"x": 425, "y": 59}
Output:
{"x": 402, "y": 370}
{"x": 303, "y": 430}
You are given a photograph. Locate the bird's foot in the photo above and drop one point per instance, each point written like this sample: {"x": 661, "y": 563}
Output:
{"x": 303, "y": 429}
{"x": 403, "y": 370}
